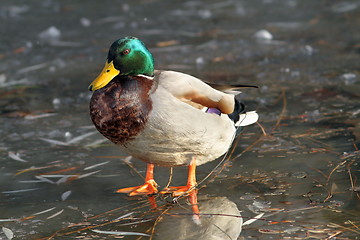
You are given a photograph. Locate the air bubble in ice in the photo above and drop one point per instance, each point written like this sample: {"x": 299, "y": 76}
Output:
{"x": 200, "y": 62}
{"x": 349, "y": 78}
{"x": 51, "y": 34}
{"x": 68, "y": 136}
{"x": 263, "y": 35}
{"x": 56, "y": 103}
{"x": 2, "y": 79}
{"x": 85, "y": 22}
{"x": 205, "y": 14}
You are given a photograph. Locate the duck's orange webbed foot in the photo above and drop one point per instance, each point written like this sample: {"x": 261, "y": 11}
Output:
{"x": 178, "y": 191}
{"x": 149, "y": 187}
{"x": 190, "y": 185}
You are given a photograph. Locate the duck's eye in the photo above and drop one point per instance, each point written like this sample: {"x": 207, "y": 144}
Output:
{"x": 126, "y": 51}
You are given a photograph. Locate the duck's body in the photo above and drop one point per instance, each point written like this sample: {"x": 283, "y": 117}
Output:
{"x": 164, "y": 118}
{"x": 144, "y": 117}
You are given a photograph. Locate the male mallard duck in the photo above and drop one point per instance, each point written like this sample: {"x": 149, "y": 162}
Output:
{"x": 164, "y": 118}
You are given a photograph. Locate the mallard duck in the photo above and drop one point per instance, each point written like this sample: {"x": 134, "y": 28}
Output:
{"x": 164, "y": 118}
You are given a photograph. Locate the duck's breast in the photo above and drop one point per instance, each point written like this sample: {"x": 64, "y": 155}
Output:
{"x": 120, "y": 110}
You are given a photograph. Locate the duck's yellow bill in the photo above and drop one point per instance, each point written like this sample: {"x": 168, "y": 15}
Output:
{"x": 106, "y": 75}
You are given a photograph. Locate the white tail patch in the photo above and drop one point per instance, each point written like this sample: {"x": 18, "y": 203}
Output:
{"x": 247, "y": 118}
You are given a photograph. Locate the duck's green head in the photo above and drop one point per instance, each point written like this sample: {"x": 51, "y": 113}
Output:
{"x": 127, "y": 56}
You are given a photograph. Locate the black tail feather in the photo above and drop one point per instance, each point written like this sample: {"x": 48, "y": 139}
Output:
{"x": 238, "y": 109}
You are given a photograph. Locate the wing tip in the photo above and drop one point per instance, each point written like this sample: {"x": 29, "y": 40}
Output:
{"x": 247, "y": 118}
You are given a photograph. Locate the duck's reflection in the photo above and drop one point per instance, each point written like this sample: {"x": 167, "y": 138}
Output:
{"x": 210, "y": 219}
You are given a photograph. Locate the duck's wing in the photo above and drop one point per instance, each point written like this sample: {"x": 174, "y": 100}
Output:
{"x": 189, "y": 88}
{"x": 230, "y": 88}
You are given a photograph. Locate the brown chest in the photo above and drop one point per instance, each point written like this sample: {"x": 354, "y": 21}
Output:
{"x": 120, "y": 110}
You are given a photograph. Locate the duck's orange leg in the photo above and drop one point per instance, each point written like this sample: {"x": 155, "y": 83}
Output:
{"x": 149, "y": 187}
{"x": 194, "y": 206}
{"x": 152, "y": 202}
{"x": 190, "y": 185}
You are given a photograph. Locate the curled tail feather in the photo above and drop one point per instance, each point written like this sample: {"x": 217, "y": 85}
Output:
{"x": 242, "y": 118}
